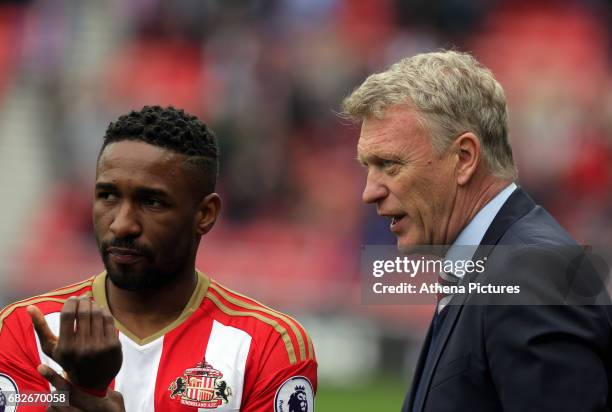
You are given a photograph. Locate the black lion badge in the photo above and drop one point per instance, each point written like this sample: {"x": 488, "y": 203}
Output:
{"x": 298, "y": 401}
{"x": 223, "y": 391}
{"x": 177, "y": 387}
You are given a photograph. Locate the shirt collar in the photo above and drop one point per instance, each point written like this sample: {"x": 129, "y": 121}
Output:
{"x": 471, "y": 235}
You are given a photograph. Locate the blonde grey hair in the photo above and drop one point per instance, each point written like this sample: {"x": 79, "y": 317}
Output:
{"x": 451, "y": 93}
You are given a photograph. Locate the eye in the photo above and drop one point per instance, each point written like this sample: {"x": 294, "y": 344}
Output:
{"x": 389, "y": 166}
{"x": 152, "y": 202}
{"x": 106, "y": 196}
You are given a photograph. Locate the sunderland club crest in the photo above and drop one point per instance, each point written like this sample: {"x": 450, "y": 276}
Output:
{"x": 201, "y": 386}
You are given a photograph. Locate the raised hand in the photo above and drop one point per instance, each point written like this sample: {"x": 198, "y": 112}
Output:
{"x": 87, "y": 348}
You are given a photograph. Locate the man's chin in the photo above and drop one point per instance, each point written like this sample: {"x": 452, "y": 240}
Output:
{"x": 406, "y": 249}
{"x": 135, "y": 281}
{"x": 128, "y": 281}
{"x": 409, "y": 244}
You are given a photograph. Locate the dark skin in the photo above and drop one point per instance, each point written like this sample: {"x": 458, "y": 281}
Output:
{"x": 93, "y": 343}
{"x": 148, "y": 221}
{"x": 146, "y": 195}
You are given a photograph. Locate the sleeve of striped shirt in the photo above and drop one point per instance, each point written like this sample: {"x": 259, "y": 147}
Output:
{"x": 281, "y": 382}
{"x": 287, "y": 389}
{"x": 19, "y": 359}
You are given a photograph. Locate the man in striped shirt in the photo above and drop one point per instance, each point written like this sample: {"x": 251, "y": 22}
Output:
{"x": 152, "y": 333}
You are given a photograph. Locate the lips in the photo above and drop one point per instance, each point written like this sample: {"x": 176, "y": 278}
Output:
{"x": 396, "y": 222}
{"x": 124, "y": 255}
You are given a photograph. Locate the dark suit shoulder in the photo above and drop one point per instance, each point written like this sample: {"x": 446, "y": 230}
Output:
{"x": 537, "y": 227}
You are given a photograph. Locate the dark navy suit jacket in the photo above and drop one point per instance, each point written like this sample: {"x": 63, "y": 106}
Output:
{"x": 519, "y": 357}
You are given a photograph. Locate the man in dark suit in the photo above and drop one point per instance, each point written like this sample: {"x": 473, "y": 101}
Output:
{"x": 439, "y": 165}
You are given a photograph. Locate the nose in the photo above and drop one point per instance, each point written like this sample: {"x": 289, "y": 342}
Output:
{"x": 374, "y": 190}
{"x": 125, "y": 222}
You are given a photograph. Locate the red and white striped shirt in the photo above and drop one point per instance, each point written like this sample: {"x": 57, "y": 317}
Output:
{"x": 225, "y": 352}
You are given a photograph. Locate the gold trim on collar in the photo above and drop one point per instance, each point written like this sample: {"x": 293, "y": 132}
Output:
{"x": 99, "y": 293}
{"x": 277, "y": 327}
{"x": 31, "y": 301}
{"x": 54, "y": 293}
{"x": 45, "y": 297}
{"x": 264, "y": 309}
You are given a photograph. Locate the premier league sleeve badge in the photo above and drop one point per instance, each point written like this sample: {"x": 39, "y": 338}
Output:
{"x": 295, "y": 395}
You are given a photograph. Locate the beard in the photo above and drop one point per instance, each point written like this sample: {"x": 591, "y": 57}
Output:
{"x": 138, "y": 281}
{"x": 141, "y": 276}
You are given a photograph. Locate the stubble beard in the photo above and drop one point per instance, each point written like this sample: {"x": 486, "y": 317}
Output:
{"x": 137, "y": 281}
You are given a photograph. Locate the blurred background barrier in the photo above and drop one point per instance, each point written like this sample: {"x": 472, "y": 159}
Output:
{"x": 269, "y": 76}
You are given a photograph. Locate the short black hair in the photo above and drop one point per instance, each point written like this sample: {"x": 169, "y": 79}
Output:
{"x": 172, "y": 129}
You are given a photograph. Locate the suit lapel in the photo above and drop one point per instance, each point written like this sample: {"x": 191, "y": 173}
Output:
{"x": 517, "y": 206}
{"x": 454, "y": 308}
{"x": 418, "y": 373}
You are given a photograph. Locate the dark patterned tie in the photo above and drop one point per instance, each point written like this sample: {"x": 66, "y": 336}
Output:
{"x": 445, "y": 279}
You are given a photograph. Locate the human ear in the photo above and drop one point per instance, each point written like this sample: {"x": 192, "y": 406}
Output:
{"x": 208, "y": 212}
{"x": 468, "y": 157}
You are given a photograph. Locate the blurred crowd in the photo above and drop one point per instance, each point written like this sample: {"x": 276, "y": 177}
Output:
{"x": 269, "y": 76}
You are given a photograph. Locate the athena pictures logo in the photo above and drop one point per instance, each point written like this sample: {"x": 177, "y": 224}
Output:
{"x": 7, "y": 386}
{"x": 295, "y": 395}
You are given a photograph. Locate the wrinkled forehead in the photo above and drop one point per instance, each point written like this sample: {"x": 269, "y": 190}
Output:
{"x": 397, "y": 130}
